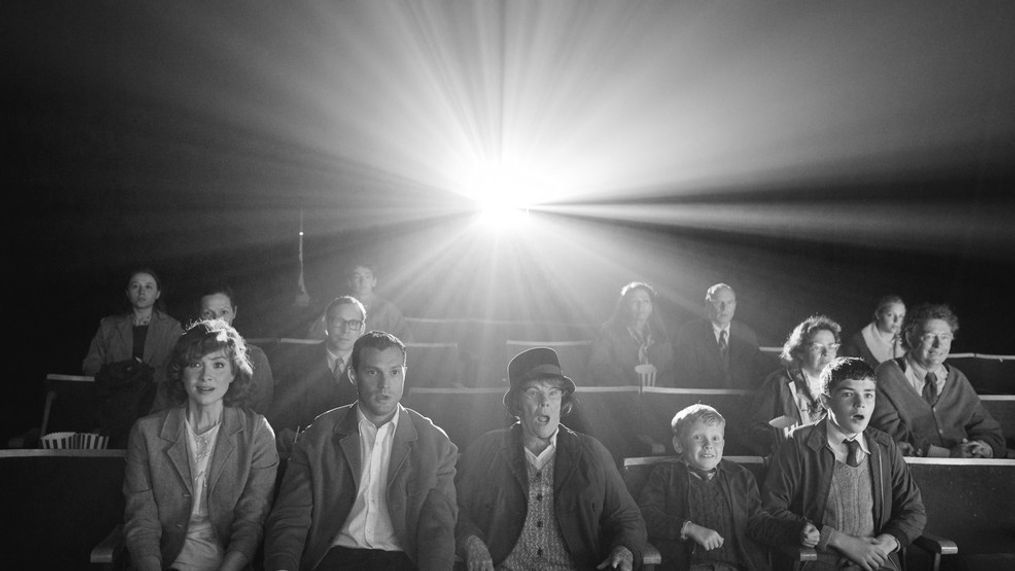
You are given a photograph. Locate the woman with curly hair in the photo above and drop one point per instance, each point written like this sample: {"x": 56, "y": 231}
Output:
{"x": 790, "y": 396}
{"x": 200, "y": 474}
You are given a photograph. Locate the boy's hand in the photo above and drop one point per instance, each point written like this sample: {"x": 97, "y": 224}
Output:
{"x": 810, "y": 535}
{"x": 886, "y": 543}
{"x": 705, "y": 537}
{"x": 978, "y": 449}
{"x": 862, "y": 551}
{"x": 620, "y": 558}
{"x": 477, "y": 556}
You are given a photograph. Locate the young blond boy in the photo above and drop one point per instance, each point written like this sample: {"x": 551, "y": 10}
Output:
{"x": 847, "y": 478}
{"x": 703, "y": 512}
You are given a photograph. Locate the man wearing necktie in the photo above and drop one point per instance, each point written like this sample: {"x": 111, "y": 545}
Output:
{"x": 717, "y": 352}
{"x": 845, "y": 480}
{"x": 317, "y": 378}
{"x": 929, "y": 406}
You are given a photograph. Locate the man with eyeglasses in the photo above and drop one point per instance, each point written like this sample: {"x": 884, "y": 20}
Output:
{"x": 927, "y": 406}
{"x": 318, "y": 379}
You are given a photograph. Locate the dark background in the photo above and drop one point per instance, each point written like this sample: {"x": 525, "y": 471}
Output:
{"x": 141, "y": 134}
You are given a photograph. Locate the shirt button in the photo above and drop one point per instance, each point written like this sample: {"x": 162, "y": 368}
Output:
{"x": 539, "y": 497}
{"x": 539, "y": 552}
{"x": 539, "y": 474}
{"x": 539, "y": 524}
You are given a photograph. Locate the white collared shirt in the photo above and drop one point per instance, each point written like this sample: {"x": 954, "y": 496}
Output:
{"x": 369, "y": 523}
{"x": 916, "y": 376}
{"x": 839, "y": 448}
{"x": 544, "y": 457}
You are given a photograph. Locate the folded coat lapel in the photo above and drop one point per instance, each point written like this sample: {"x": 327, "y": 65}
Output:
{"x": 347, "y": 434}
{"x": 565, "y": 460}
{"x": 125, "y": 330}
{"x": 225, "y": 445}
{"x": 174, "y": 433}
{"x": 405, "y": 435}
{"x": 514, "y": 451}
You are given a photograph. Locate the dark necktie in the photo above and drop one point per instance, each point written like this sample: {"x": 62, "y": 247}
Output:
{"x": 853, "y": 457}
{"x": 930, "y": 388}
{"x": 724, "y": 347}
{"x": 339, "y": 369}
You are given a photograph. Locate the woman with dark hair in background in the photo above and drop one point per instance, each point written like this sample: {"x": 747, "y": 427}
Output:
{"x": 634, "y": 335}
{"x": 200, "y": 475}
{"x": 144, "y": 333}
{"x": 880, "y": 340}
{"x": 790, "y": 396}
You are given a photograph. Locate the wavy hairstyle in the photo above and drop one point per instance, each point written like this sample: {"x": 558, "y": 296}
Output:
{"x": 803, "y": 333}
{"x": 204, "y": 338}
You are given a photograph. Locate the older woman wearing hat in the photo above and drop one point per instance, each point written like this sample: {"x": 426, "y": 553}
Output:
{"x": 538, "y": 495}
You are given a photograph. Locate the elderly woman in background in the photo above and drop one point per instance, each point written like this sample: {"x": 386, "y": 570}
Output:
{"x": 879, "y": 340}
{"x": 200, "y": 475}
{"x": 634, "y": 335}
{"x": 790, "y": 396}
{"x": 144, "y": 334}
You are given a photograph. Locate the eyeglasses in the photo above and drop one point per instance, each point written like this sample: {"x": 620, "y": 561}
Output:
{"x": 348, "y": 323}
{"x": 818, "y": 348}
{"x": 942, "y": 338}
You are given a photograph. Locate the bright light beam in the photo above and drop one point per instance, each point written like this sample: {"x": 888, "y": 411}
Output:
{"x": 504, "y": 192}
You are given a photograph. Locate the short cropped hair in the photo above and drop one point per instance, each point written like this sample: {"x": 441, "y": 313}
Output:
{"x": 695, "y": 413}
{"x": 204, "y": 338}
{"x": 886, "y": 301}
{"x": 567, "y": 403}
{"x": 715, "y": 289}
{"x": 343, "y": 300}
{"x": 220, "y": 288}
{"x": 803, "y": 333}
{"x": 925, "y": 312}
{"x": 378, "y": 340}
{"x": 842, "y": 369}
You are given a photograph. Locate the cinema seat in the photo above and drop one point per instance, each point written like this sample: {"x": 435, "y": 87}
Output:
{"x": 636, "y": 472}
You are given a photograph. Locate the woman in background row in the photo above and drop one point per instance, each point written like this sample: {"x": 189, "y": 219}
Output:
{"x": 634, "y": 335}
{"x": 790, "y": 396}
{"x": 145, "y": 333}
{"x": 200, "y": 475}
{"x": 880, "y": 340}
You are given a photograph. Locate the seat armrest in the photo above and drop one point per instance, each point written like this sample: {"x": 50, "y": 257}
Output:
{"x": 936, "y": 544}
{"x": 650, "y": 556}
{"x": 106, "y": 551}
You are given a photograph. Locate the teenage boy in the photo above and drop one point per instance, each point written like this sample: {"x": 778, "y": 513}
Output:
{"x": 847, "y": 479}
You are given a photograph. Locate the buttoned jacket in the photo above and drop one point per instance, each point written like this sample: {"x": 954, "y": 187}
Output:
{"x": 699, "y": 365}
{"x": 322, "y": 478}
{"x": 114, "y": 341}
{"x": 957, "y": 415}
{"x": 591, "y": 503}
{"x": 798, "y": 483}
{"x": 159, "y": 488}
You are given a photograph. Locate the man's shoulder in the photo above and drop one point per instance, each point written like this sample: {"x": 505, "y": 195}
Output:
{"x": 742, "y": 331}
{"x": 328, "y": 421}
{"x": 879, "y": 437}
{"x": 425, "y": 426}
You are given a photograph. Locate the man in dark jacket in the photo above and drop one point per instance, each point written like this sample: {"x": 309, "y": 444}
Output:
{"x": 538, "y": 495}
